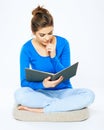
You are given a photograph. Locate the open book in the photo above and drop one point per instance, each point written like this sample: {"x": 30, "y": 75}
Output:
{"x": 36, "y": 75}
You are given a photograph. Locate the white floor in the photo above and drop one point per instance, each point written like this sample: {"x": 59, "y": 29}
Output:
{"x": 95, "y": 121}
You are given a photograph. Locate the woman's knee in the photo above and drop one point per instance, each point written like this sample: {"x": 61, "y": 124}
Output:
{"x": 90, "y": 96}
{"x": 20, "y": 94}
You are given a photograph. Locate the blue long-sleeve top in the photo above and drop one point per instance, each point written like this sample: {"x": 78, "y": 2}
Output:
{"x": 29, "y": 57}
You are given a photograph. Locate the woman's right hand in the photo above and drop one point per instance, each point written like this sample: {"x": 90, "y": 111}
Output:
{"x": 47, "y": 83}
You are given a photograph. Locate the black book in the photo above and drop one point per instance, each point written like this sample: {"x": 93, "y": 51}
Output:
{"x": 36, "y": 75}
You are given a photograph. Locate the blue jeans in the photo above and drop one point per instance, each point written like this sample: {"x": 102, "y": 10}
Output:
{"x": 54, "y": 100}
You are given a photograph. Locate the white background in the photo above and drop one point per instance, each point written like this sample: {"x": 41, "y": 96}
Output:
{"x": 82, "y": 23}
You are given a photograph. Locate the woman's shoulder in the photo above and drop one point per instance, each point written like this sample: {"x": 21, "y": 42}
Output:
{"x": 27, "y": 44}
{"x": 61, "y": 40}
{"x": 60, "y": 37}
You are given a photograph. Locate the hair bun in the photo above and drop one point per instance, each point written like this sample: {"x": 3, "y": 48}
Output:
{"x": 39, "y": 10}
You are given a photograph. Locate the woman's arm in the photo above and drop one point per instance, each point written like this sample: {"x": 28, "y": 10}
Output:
{"x": 24, "y": 63}
{"x": 62, "y": 58}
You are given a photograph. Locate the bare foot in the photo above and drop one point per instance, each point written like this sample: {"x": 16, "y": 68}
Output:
{"x": 39, "y": 110}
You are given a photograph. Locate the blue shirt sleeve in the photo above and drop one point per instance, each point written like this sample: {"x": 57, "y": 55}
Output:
{"x": 62, "y": 59}
{"x": 24, "y": 63}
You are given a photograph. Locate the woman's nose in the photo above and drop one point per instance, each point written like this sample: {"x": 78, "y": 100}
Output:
{"x": 47, "y": 37}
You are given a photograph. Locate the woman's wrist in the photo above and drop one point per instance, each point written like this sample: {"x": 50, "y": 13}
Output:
{"x": 52, "y": 55}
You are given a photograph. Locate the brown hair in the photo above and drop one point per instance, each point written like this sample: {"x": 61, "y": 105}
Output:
{"x": 41, "y": 18}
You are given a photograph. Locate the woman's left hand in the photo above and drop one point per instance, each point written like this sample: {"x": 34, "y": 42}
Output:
{"x": 51, "y": 84}
{"x": 51, "y": 49}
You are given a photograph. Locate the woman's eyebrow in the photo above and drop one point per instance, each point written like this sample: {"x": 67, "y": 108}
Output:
{"x": 47, "y": 33}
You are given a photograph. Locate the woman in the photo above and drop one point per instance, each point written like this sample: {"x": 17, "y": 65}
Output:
{"x": 50, "y": 53}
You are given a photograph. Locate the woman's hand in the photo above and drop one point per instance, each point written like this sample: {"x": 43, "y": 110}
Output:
{"x": 51, "y": 84}
{"x": 51, "y": 48}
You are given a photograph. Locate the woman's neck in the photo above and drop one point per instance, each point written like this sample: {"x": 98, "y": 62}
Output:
{"x": 40, "y": 48}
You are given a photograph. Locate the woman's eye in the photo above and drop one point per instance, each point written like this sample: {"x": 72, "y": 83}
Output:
{"x": 50, "y": 33}
{"x": 42, "y": 35}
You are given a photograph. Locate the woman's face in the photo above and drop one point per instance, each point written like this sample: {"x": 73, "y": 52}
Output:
{"x": 44, "y": 35}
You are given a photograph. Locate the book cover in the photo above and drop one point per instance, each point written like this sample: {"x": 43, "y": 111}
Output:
{"x": 36, "y": 75}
